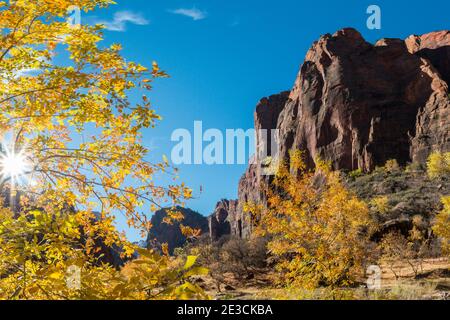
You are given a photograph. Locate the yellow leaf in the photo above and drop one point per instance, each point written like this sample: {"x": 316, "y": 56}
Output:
{"x": 190, "y": 262}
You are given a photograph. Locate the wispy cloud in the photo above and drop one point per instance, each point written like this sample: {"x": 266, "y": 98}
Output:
{"x": 193, "y": 13}
{"x": 121, "y": 18}
{"x": 235, "y": 22}
{"x": 29, "y": 71}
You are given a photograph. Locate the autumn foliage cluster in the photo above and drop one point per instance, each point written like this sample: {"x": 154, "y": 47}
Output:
{"x": 322, "y": 235}
{"x": 74, "y": 127}
{"x": 318, "y": 229}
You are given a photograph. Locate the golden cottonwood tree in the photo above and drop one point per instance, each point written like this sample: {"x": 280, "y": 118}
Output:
{"x": 442, "y": 225}
{"x": 318, "y": 229}
{"x": 72, "y": 147}
{"x": 438, "y": 165}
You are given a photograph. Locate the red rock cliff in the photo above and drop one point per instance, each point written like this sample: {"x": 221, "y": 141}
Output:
{"x": 358, "y": 105}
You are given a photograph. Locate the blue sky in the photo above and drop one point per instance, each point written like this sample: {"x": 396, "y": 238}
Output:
{"x": 224, "y": 56}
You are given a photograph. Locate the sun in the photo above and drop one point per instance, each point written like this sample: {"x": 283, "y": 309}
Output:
{"x": 13, "y": 164}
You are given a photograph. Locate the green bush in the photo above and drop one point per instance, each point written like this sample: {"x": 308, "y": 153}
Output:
{"x": 355, "y": 173}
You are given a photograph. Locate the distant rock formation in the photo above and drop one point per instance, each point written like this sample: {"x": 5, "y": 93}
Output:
{"x": 224, "y": 220}
{"x": 171, "y": 233}
{"x": 358, "y": 105}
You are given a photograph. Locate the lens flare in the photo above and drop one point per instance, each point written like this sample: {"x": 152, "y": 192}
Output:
{"x": 12, "y": 165}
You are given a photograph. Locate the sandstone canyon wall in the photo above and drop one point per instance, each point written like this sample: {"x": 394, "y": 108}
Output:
{"x": 356, "y": 104}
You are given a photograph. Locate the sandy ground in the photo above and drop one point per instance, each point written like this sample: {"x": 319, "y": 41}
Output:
{"x": 432, "y": 282}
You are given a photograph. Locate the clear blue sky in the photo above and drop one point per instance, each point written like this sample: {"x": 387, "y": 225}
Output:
{"x": 227, "y": 55}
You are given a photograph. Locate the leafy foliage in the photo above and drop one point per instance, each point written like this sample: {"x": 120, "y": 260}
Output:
{"x": 38, "y": 251}
{"x": 318, "y": 229}
{"x": 81, "y": 139}
{"x": 391, "y": 165}
{"x": 356, "y": 173}
{"x": 438, "y": 165}
{"x": 380, "y": 204}
{"x": 442, "y": 225}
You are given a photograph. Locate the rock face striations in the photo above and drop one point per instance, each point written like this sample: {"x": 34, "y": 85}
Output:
{"x": 432, "y": 131}
{"x": 358, "y": 105}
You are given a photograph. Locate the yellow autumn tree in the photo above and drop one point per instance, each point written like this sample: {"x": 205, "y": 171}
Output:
{"x": 318, "y": 229}
{"x": 72, "y": 158}
{"x": 442, "y": 225}
{"x": 438, "y": 165}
